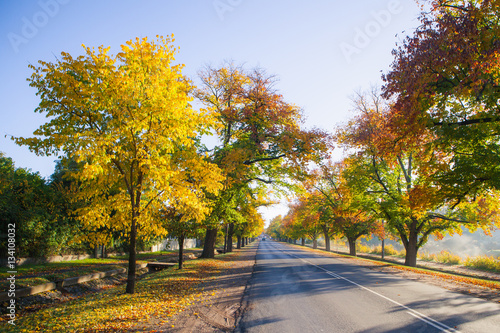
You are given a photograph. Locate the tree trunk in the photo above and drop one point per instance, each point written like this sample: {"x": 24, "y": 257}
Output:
{"x": 96, "y": 251}
{"x": 209, "y": 244}
{"x": 383, "y": 248}
{"x": 238, "y": 242}
{"x": 180, "y": 239}
{"x": 230, "y": 237}
{"x": 303, "y": 242}
{"x": 103, "y": 252}
{"x": 225, "y": 241}
{"x": 132, "y": 256}
{"x": 246, "y": 240}
{"x": 327, "y": 238}
{"x": 352, "y": 246}
{"x": 410, "y": 241}
{"x": 242, "y": 242}
{"x": 315, "y": 243}
{"x": 411, "y": 250}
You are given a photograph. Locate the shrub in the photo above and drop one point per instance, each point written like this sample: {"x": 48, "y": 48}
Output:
{"x": 376, "y": 249}
{"x": 362, "y": 248}
{"x": 391, "y": 251}
{"x": 447, "y": 257}
{"x": 338, "y": 245}
{"x": 426, "y": 256}
{"x": 486, "y": 263}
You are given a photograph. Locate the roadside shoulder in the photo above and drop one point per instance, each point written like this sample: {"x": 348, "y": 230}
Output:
{"x": 222, "y": 310}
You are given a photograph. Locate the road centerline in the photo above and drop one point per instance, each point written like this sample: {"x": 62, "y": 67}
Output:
{"x": 412, "y": 312}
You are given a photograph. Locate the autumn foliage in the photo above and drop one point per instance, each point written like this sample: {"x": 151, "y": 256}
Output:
{"x": 423, "y": 155}
{"x": 261, "y": 141}
{"x": 127, "y": 120}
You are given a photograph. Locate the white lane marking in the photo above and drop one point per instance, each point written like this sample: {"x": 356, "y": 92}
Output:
{"x": 430, "y": 323}
{"x": 416, "y": 314}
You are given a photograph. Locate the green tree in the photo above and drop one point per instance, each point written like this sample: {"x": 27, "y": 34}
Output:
{"x": 276, "y": 227}
{"x": 401, "y": 182}
{"x": 39, "y": 211}
{"x": 445, "y": 85}
{"x": 25, "y": 202}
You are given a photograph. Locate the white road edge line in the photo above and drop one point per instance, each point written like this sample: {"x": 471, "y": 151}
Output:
{"x": 416, "y": 314}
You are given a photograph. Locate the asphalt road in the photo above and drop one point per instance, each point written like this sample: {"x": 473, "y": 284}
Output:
{"x": 298, "y": 291}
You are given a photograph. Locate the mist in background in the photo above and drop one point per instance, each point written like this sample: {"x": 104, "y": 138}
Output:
{"x": 466, "y": 245}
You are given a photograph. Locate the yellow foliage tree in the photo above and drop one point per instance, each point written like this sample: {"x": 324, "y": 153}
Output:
{"x": 128, "y": 119}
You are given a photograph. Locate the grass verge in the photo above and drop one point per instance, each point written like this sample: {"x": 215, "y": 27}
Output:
{"x": 159, "y": 295}
{"x": 36, "y": 274}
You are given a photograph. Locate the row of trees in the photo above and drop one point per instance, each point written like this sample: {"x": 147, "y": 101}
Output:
{"x": 423, "y": 155}
{"x": 126, "y": 125}
{"x": 43, "y": 212}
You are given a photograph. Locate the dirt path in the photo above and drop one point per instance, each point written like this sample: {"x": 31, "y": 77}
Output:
{"x": 220, "y": 311}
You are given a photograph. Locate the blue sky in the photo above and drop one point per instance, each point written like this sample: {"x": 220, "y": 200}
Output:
{"x": 321, "y": 50}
